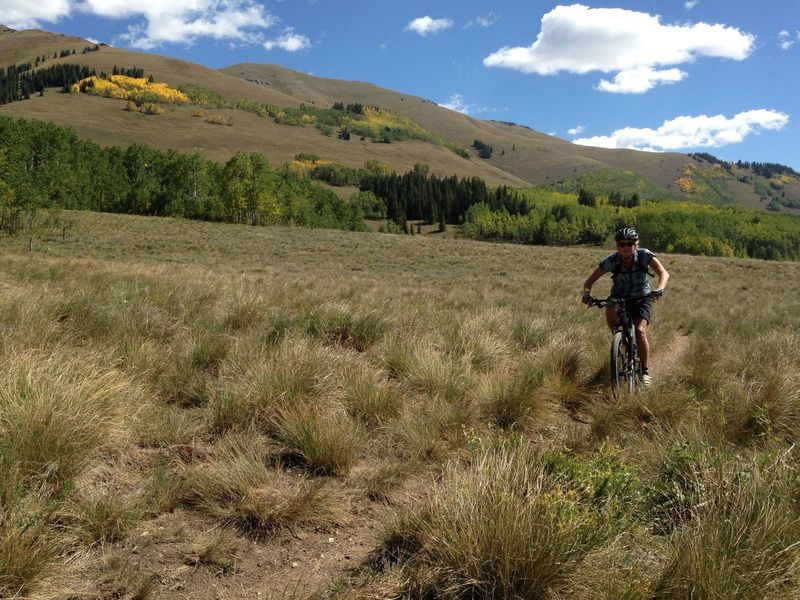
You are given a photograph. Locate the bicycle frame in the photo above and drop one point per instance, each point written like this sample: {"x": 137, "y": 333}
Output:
{"x": 626, "y": 368}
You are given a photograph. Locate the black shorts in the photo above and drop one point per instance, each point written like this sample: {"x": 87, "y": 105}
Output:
{"x": 638, "y": 308}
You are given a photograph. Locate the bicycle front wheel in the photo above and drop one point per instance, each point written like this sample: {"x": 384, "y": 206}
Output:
{"x": 619, "y": 361}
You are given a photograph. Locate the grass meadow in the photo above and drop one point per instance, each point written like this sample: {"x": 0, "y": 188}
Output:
{"x": 216, "y": 411}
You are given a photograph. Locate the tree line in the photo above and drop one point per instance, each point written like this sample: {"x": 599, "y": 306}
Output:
{"x": 764, "y": 169}
{"x": 46, "y": 166}
{"x": 417, "y": 195}
{"x": 668, "y": 226}
{"x": 19, "y": 81}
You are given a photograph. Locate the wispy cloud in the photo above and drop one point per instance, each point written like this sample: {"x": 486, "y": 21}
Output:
{"x": 576, "y": 130}
{"x": 458, "y": 103}
{"x": 426, "y": 25}
{"x": 483, "y": 21}
{"x": 690, "y": 4}
{"x": 635, "y": 45}
{"x": 154, "y": 23}
{"x": 686, "y": 132}
{"x": 289, "y": 41}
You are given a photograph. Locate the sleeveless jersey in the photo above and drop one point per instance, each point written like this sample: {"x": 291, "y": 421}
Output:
{"x": 628, "y": 283}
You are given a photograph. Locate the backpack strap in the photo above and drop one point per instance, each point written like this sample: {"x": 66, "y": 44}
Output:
{"x": 638, "y": 264}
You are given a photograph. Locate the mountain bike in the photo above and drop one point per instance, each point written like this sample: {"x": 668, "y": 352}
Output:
{"x": 626, "y": 368}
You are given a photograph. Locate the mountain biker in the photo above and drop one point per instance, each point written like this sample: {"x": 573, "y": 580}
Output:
{"x": 630, "y": 281}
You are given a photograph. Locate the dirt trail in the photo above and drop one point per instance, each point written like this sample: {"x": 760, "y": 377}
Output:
{"x": 664, "y": 360}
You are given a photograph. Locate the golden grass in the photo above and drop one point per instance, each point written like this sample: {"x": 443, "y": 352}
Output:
{"x": 271, "y": 379}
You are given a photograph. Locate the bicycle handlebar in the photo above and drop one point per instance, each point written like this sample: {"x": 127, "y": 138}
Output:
{"x": 600, "y": 303}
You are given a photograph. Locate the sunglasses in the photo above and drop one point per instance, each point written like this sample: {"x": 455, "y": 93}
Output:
{"x": 626, "y": 244}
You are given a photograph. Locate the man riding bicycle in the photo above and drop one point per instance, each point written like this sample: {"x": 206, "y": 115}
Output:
{"x": 630, "y": 282}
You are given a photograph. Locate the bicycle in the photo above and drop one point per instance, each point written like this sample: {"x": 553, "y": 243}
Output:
{"x": 625, "y": 367}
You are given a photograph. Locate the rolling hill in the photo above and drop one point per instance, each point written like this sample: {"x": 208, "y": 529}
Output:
{"x": 521, "y": 156}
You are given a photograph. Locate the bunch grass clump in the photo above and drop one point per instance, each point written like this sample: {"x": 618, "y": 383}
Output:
{"x": 368, "y": 398}
{"x": 514, "y": 400}
{"x": 743, "y": 543}
{"x": 29, "y": 548}
{"x": 322, "y": 438}
{"x": 238, "y": 487}
{"x": 502, "y": 527}
{"x": 102, "y": 515}
{"x": 54, "y": 414}
{"x": 567, "y": 370}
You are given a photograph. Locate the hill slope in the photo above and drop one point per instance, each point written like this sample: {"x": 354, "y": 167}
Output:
{"x": 521, "y": 155}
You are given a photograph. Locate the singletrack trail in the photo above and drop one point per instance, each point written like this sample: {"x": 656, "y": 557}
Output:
{"x": 665, "y": 359}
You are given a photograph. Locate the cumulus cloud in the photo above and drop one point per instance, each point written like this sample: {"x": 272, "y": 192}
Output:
{"x": 576, "y": 130}
{"x": 428, "y": 26}
{"x": 24, "y": 14}
{"x": 155, "y": 23}
{"x": 640, "y": 80}
{"x": 686, "y": 132}
{"x": 579, "y": 39}
{"x": 289, "y": 41}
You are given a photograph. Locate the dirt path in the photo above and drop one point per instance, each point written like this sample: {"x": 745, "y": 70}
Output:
{"x": 664, "y": 360}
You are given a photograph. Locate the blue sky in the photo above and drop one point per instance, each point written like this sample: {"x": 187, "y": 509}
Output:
{"x": 717, "y": 76}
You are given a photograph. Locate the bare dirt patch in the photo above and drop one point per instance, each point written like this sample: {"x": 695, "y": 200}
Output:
{"x": 665, "y": 360}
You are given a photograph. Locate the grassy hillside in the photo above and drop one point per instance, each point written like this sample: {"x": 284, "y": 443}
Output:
{"x": 535, "y": 157}
{"x": 179, "y": 129}
{"x": 219, "y": 411}
{"x": 521, "y": 156}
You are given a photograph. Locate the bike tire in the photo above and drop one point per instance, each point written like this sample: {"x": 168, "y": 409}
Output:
{"x": 632, "y": 367}
{"x": 618, "y": 363}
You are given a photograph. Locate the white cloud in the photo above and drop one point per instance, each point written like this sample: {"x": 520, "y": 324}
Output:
{"x": 458, "y": 103}
{"x": 686, "y": 132}
{"x": 289, "y": 41}
{"x": 24, "y": 14}
{"x": 640, "y": 80}
{"x": 690, "y": 4}
{"x": 183, "y": 21}
{"x": 579, "y": 39}
{"x": 428, "y": 26}
{"x": 785, "y": 40}
{"x": 156, "y": 23}
{"x": 576, "y": 130}
{"x": 483, "y": 21}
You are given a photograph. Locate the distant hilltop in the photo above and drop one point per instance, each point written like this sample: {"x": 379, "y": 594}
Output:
{"x": 4, "y": 29}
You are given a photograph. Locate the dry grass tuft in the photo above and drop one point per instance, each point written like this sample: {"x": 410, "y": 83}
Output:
{"x": 744, "y": 543}
{"x": 514, "y": 400}
{"x": 566, "y": 369}
{"x": 499, "y": 528}
{"x": 54, "y": 414}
